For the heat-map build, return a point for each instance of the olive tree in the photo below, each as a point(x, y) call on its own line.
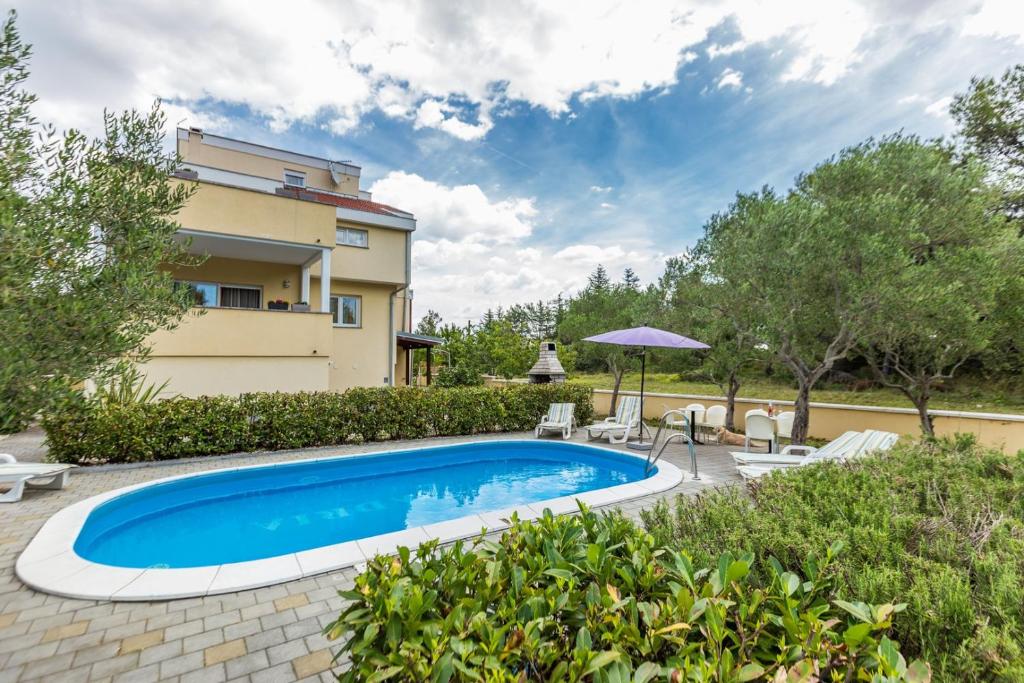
point(990, 118)
point(702, 309)
point(791, 279)
point(949, 260)
point(84, 228)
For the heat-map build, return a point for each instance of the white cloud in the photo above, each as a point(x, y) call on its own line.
point(600, 189)
point(444, 66)
point(730, 78)
point(607, 206)
point(470, 251)
point(462, 213)
point(1002, 18)
point(939, 108)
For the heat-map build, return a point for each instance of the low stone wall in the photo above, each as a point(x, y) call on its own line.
point(829, 420)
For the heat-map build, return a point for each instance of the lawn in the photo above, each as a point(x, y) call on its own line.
point(972, 396)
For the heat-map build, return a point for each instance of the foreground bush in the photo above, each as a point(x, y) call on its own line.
point(593, 598)
point(939, 526)
point(88, 432)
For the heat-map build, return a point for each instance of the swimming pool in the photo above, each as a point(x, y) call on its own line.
point(242, 527)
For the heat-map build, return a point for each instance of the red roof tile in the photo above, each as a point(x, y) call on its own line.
point(346, 202)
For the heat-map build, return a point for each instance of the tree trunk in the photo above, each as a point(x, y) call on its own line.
point(927, 427)
point(615, 389)
point(802, 419)
point(732, 389)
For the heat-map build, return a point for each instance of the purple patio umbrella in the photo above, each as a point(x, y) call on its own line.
point(643, 337)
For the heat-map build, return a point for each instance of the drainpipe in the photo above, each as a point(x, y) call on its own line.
point(391, 309)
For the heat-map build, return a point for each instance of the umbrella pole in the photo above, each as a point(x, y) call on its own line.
point(643, 375)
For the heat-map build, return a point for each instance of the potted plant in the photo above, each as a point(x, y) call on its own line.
point(277, 305)
point(301, 306)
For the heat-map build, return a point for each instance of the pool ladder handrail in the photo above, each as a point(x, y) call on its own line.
point(664, 424)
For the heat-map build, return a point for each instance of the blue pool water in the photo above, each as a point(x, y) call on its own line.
point(262, 512)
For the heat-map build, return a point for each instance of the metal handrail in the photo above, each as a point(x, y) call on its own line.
point(681, 435)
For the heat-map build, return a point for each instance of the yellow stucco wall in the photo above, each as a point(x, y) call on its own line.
point(270, 277)
point(192, 150)
point(382, 261)
point(210, 376)
point(828, 421)
point(360, 354)
point(234, 332)
point(217, 208)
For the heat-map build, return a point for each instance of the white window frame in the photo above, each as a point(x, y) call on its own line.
point(217, 285)
point(359, 310)
point(341, 234)
point(295, 174)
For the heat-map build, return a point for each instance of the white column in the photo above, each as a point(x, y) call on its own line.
point(325, 281)
point(304, 284)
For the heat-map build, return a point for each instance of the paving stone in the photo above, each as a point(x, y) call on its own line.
point(115, 665)
point(96, 653)
point(47, 666)
point(201, 641)
point(159, 653)
point(142, 641)
point(291, 601)
point(76, 628)
point(145, 674)
point(181, 665)
point(285, 652)
point(265, 639)
point(282, 673)
point(211, 674)
point(242, 629)
point(189, 628)
point(311, 664)
point(278, 619)
point(243, 666)
point(302, 628)
point(224, 651)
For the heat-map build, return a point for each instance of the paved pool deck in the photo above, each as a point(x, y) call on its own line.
point(266, 634)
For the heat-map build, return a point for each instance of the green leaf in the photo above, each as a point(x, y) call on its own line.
point(601, 660)
point(645, 672)
point(384, 674)
point(749, 672)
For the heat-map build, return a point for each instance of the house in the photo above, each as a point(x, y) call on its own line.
point(270, 224)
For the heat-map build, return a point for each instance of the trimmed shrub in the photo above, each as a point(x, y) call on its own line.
point(594, 598)
point(940, 525)
point(89, 432)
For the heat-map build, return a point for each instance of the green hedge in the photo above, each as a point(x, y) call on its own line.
point(88, 432)
point(940, 526)
point(593, 598)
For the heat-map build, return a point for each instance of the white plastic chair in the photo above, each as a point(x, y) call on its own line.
point(695, 412)
point(758, 427)
point(714, 418)
point(784, 424)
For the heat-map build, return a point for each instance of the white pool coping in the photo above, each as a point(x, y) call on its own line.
point(51, 565)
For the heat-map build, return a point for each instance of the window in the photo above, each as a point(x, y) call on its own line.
point(294, 178)
point(204, 293)
point(211, 294)
point(350, 237)
point(346, 311)
point(239, 297)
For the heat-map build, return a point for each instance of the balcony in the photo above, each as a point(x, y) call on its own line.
point(237, 332)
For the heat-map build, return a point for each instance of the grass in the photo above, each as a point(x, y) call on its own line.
point(971, 396)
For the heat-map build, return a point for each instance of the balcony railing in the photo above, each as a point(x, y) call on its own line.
point(246, 332)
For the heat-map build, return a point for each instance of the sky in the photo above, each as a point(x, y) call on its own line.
point(533, 140)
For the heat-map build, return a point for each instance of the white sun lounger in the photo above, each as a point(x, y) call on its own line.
point(872, 442)
point(561, 417)
point(618, 428)
point(33, 474)
point(794, 455)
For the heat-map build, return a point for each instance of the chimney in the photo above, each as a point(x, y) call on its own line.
point(547, 368)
